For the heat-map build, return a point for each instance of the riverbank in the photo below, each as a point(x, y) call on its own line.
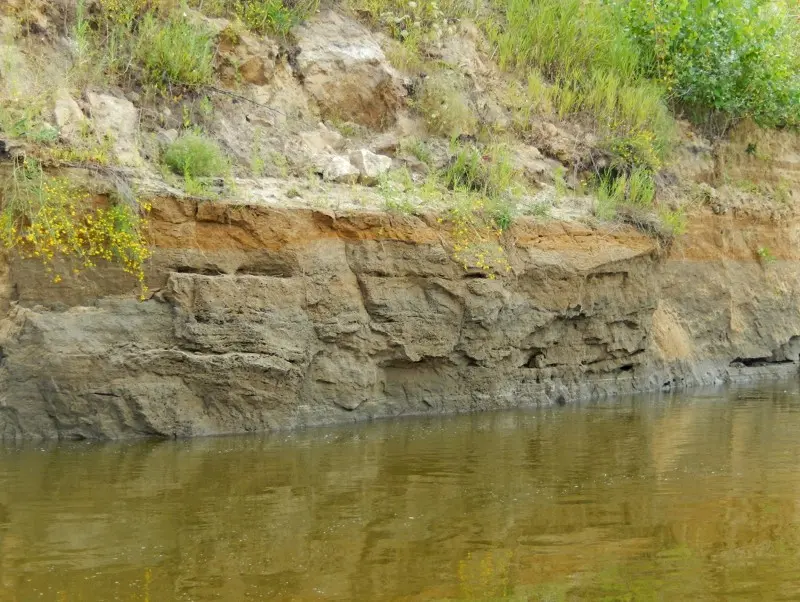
point(263, 316)
point(336, 211)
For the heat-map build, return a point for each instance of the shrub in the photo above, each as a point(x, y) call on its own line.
point(175, 51)
point(193, 155)
point(48, 218)
point(735, 57)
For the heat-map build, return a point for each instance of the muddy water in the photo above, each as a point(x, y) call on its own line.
point(669, 498)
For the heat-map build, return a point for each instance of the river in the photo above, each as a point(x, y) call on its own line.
point(689, 496)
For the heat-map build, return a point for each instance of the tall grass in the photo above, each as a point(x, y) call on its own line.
point(154, 44)
point(634, 191)
point(579, 60)
point(565, 36)
point(174, 51)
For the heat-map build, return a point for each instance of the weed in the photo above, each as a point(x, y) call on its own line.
point(476, 236)
point(25, 122)
point(539, 209)
point(275, 16)
point(765, 255)
point(444, 106)
point(560, 182)
point(415, 22)
point(348, 129)
point(420, 150)
point(399, 204)
point(279, 163)
point(674, 221)
point(489, 173)
point(636, 190)
point(782, 192)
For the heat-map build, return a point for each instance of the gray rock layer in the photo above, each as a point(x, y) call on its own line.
point(265, 318)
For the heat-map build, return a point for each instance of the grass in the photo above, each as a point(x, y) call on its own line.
point(615, 191)
point(174, 51)
point(488, 172)
point(273, 16)
point(420, 150)
point(579, 61)
point(154, 44)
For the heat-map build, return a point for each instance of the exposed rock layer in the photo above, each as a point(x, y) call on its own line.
point(265, 318)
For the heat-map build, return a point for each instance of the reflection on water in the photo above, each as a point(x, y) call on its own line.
point(666, 498)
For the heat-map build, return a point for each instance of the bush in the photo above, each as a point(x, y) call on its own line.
point(735, 57)
point(195, 156)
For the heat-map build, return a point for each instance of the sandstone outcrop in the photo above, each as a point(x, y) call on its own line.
point(266, 317)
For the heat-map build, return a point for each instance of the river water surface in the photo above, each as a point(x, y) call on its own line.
point(684, 497)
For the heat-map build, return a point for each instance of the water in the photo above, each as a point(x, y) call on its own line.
point(672, 498)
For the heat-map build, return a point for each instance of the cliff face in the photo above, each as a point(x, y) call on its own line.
point(265, 317)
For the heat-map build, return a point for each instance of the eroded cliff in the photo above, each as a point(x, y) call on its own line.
point(350, 221)
point(265, 317)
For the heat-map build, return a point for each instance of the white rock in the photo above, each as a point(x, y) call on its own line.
point(68, 117)
point(339, 169)
point(345, 71)
point(119, 119)
point(322, 140)
point(369, 165)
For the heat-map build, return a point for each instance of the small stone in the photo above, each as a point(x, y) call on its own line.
point(166, 137)
point(340, 170)
point(369, 165)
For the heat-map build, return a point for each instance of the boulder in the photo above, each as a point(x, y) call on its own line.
point(340, 170)
point(322, 140)
point(68, 117)
point(118, 119)
point(369, 165)
point(345, 71)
